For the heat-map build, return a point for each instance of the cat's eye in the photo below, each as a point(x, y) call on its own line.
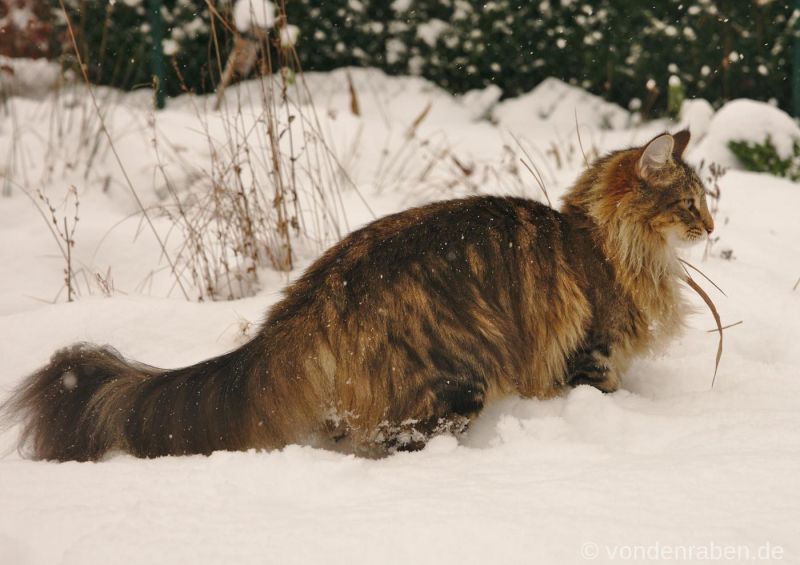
point(689, 203)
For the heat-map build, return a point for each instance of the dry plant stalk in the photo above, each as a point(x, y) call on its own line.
point(740, 322)
point(702, 274)
point(412, 129)
point(715, 173)
point(711, 306)
point(355, 107)
point(271, 179)
point(240, 62)
point(699, 290)
point(245, 220)
point(580, 141)
point(117, 157)
point(64, 234)
point(105, 283)
point(534, 170)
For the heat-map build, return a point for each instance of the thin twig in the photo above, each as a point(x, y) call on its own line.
point(538, 175)
point(68, 270)
point(412, 129)
point(46, 221)
point(532, 172)
point(580, 141)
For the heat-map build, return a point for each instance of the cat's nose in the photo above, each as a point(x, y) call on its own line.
point(709, 227)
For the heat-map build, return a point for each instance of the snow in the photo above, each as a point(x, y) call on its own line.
point(401, 6)
point(664, 464)
point(481, 101)
point(249, 14)
point(289, 35)
point(19, 16)
point(170, 47)
point(552, 105)
point(34, 77)
point(696, 115)
point(394, 50)
point(430, 31)
point(748, 120)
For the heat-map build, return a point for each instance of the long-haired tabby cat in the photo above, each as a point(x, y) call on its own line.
point(408, 327)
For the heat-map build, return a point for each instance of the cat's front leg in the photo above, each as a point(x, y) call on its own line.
point(593, 366)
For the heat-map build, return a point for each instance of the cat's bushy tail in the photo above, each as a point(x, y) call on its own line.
point(89, 400)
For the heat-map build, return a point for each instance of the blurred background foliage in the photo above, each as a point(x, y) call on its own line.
point(627, 51)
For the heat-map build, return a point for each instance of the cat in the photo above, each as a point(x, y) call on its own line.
point(408, 327)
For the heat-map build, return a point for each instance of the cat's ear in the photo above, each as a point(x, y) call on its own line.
point(655, 155)
point(681, 141)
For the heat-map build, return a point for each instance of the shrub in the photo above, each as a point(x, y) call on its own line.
point(623, 50)
point(764, 158)
point(115, 42)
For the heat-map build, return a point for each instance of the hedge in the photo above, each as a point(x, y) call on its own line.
point(625, 50)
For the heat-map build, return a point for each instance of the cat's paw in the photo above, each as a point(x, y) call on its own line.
point(593, 368)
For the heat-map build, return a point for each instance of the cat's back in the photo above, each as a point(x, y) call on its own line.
point(447, 229)
point(488, 248)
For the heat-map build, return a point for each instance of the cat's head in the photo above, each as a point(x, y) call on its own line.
point(668, 192)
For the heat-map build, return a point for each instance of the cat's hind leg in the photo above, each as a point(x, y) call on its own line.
point(446, 406)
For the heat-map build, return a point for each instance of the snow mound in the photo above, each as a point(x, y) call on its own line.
point(387, 99)
point(479, 102)
point(31, 78)
point(745, 120)
point(554, 104)
point(696, 116)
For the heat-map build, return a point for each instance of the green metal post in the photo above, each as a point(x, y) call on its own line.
point(157, 54)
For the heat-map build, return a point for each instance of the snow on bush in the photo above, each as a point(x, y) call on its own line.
point(611, 48)
point(430, 31)
point(28, 77)
point(289, 34)
point(696, 116)
point(556, 102)
point(250, 14)
point(746, 120)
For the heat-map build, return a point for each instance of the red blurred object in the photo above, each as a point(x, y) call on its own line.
point(25, 28)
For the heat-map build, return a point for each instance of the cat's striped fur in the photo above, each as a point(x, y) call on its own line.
point(407, 327)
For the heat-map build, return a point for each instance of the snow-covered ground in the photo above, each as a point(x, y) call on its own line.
point(667, 469)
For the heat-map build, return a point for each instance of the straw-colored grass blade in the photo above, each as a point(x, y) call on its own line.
point(698, 289)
